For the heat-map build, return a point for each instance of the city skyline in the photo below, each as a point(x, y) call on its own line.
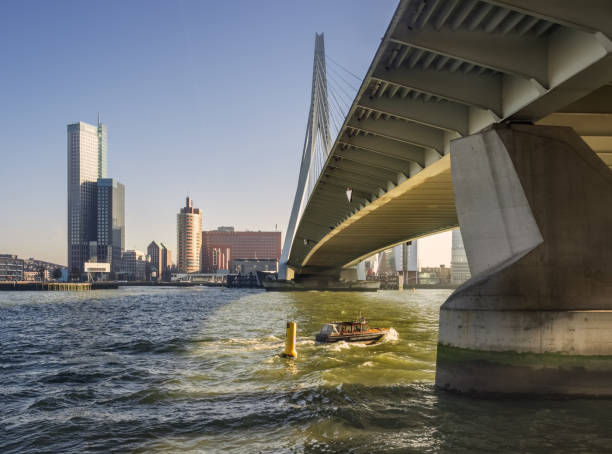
point(154, 135)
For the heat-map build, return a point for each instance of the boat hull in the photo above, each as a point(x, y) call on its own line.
point(323, 285)
point(366, 337)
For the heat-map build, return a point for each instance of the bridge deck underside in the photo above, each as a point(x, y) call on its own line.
point(417, 207)
point(447, 69)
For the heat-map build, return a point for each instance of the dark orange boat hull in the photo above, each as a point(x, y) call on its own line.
point(369, 336)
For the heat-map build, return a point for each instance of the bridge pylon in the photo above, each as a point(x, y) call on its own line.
point(317, 144)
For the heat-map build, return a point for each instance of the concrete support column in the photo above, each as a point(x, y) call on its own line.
point(535, 208)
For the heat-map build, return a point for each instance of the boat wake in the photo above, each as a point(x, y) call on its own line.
point(391, 337)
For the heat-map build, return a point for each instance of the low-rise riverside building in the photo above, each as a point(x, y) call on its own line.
point(11, 268)
point(246, 266)
point(134, 265)
point(435, 275)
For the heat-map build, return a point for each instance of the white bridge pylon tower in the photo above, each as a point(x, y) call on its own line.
point(317, 144)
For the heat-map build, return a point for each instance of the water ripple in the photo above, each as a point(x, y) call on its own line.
point(195, 370)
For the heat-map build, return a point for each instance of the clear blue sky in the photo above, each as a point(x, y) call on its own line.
point(202, 98)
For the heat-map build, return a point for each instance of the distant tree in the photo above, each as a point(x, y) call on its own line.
point(57, 273)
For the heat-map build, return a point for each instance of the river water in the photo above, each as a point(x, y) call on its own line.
point(167, 370)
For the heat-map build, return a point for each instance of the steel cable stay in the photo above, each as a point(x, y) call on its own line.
point(335, 98)
point(335, 120)
point(323, 99)
point(360, 79)
point(350, 86)
point(345, 104)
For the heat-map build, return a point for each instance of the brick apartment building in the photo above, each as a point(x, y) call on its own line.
point(222, 246)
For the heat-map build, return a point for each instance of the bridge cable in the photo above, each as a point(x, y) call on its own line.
point(343, 79)
point(342, 108)
point(360, 79)
point(335, 120)
point(328, 112)
point(347, 99)
point(336, 111)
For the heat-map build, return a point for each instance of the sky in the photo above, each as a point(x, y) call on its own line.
point(201, 98)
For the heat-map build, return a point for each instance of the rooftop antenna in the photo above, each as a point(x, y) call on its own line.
point(98, 118)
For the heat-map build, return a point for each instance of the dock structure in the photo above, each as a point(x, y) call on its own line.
point(56, 286)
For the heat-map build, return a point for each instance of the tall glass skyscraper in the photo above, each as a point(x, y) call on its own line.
point(111, 223)
point(86, 163)
point(460, 268)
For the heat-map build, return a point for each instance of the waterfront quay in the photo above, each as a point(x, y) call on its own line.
point(56, 286)
point(98, 285)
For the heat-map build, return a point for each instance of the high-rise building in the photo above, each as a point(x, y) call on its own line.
point(102, 160)
point(161, 259)
point(111, 223)
point(223, 246)
point(86, 163)
point(189, 238)
point(165, 262)
point(460, 268)
point(154, 251)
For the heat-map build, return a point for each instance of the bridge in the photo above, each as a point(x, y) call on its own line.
point(494, 115)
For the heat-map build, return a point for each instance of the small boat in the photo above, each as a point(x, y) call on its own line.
point(356, 331)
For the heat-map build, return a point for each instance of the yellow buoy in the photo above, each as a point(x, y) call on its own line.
point(290, 340)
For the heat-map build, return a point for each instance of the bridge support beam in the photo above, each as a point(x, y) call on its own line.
point(535, 208)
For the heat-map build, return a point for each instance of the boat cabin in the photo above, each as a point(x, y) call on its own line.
point(355, 331)
point(342, 328)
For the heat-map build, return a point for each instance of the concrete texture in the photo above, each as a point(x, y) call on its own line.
point(534, 206)
point(508, 373)
point(564, 332)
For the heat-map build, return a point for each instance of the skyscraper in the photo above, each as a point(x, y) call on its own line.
point(154, 251)
point(166, 257)
point(460, 268)
point(189, 238)
point(86, 163)
point(165, 262)
point(161, 258)
point(111, 222)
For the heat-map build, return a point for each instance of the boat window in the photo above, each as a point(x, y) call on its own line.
point(327, 329)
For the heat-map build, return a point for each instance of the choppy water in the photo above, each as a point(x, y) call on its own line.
point(144, 370)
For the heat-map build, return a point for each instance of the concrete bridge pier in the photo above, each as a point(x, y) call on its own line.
point(535, 208)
